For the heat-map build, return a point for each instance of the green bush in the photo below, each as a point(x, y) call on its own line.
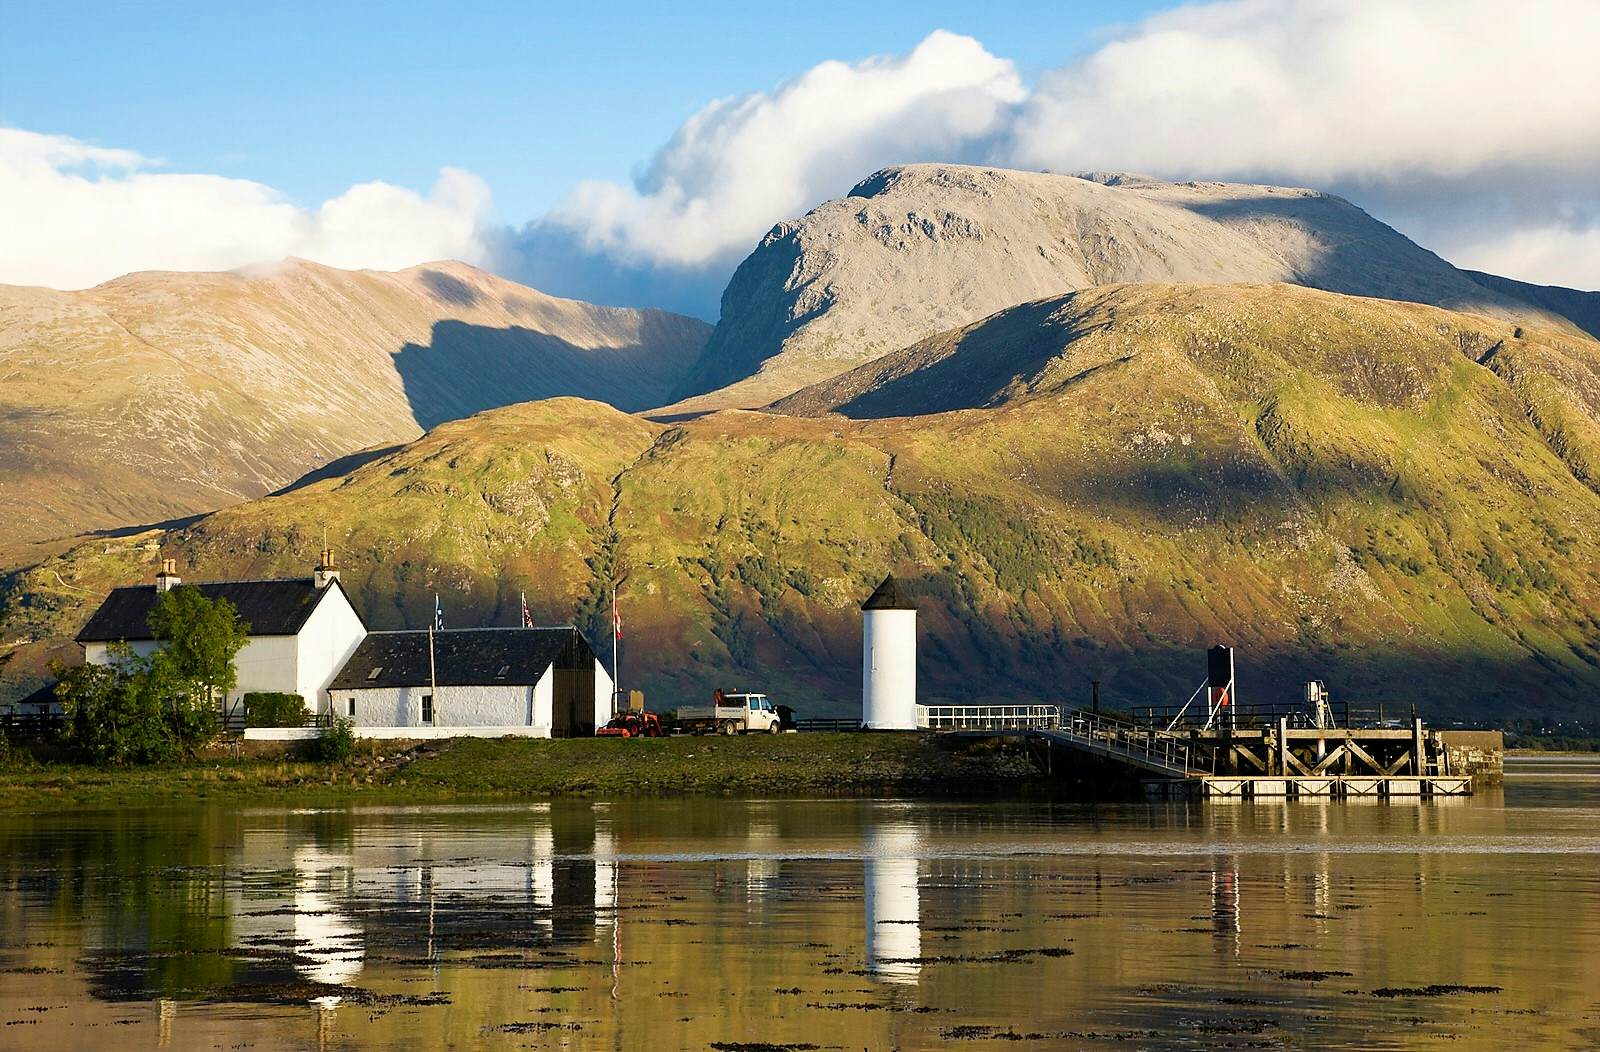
point(273, 708)
point(129, 712)
point(336, 743)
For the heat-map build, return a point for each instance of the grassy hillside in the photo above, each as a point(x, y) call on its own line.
point(1393, 498)
point(161, 395)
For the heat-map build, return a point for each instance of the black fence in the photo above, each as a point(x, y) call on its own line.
point(825, 723)
point(19, 725)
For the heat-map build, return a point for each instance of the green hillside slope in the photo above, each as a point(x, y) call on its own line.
point(1393, 498)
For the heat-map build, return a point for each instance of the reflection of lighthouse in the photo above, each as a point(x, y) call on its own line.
point(894, 916)
point(888, 660)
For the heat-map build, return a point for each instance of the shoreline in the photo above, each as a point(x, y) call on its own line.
point(813, 764)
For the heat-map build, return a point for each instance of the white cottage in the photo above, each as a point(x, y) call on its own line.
point(302, 630)
point(478, 682)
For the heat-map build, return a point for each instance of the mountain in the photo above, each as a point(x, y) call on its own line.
point(915, 250)
point(1394, 498)
point(161, 395)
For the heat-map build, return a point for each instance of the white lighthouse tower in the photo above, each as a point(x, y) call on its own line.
point(888, 660)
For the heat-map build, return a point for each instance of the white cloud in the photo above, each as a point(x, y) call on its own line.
point(740, 164)
point(1544, 254)
point(76, 214)
point(1325, 90)
point(1472, 125)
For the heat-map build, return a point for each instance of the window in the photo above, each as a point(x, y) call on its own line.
point(755, 704)
point(427, 708)
point(377, 670)
point(350, 707)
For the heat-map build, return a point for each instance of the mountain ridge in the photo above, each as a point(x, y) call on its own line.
point(914, 250)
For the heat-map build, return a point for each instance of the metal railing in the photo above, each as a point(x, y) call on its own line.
point(1128, 739)
point(988, 717)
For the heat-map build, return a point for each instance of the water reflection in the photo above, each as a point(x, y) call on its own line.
point(893, 900)
point(892, 924)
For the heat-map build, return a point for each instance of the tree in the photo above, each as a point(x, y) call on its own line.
point(200, 639)
point(154, 709)
point(118, 713)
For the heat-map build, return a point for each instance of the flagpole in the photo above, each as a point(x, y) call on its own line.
point(433, 677)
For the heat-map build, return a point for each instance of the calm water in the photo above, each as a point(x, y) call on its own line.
point(859, 924)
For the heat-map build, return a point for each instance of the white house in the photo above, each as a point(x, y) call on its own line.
point(477, 682)
point(302, 630)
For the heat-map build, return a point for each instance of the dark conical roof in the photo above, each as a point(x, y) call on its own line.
point(887, 597)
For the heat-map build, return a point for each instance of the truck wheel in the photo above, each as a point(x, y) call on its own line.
point(729, 728)
point(773, 728)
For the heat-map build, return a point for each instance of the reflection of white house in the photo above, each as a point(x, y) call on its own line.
point(536, 682)
point(302, 630)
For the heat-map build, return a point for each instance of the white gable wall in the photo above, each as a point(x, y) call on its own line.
point(603, 689)
point(326, 641)
point(544, 704)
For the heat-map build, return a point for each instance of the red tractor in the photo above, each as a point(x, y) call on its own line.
point(632, 725)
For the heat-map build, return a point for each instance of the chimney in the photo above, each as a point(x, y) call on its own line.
point(325, 573)
point(168, 578)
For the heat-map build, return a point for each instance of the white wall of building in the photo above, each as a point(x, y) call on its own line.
point(455, 709)
point(603, 689)
point(889, 669)
point(544, 707)
point(326, 641)
point(267, 663)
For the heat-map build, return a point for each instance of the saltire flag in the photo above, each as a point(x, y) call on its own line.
point(438, 614)
point(527, 618)
point(616, 616)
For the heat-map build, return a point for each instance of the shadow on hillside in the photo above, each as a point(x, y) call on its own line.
point(1401, 269)
point(338, 466)
point(466, 369)
point(1017, 342)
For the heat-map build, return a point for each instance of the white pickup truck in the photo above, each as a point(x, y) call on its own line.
point(735, 713)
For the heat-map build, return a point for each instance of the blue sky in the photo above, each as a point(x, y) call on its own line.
point(634, 154)
point(313, 97)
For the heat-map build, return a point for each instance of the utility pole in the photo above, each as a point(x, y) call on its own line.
point(433, 680)
point(616, 660)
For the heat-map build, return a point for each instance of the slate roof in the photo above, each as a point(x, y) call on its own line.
point(887, 597)
point(270, 608)
point(463, 657)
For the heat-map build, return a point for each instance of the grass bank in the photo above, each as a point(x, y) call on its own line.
point(777, 765)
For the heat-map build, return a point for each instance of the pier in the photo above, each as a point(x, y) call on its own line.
point(1235, 757)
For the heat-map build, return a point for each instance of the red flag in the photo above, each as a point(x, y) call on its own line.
point(616, 616)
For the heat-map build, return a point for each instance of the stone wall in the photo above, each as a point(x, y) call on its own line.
point(1482, 754)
